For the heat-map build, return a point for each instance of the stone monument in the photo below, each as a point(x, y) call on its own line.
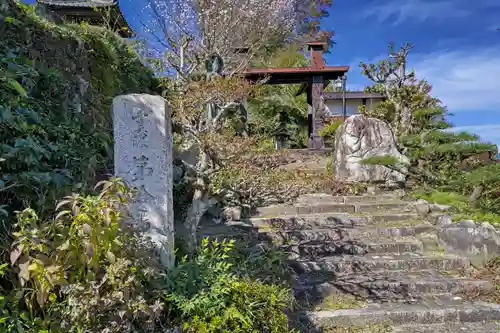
point(360, 137)
point(143, 158)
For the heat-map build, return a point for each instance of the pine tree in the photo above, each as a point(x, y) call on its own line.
point(438, 155)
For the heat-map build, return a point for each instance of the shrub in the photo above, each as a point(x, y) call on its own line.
point(329, 130)
point(84, 270)
point(89, 270)
point(210, 294)
point(48, 147)
point(258, 178)
point(461, 208)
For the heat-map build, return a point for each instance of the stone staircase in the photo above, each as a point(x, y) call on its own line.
point(370, 264)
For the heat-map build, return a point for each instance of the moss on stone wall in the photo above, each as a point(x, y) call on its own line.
point(96, 63)
point(57, 83)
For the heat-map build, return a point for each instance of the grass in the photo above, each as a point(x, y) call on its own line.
point(436, 252)
point(340, 303)
point(460, 207)
point(378, 328)
point(442, 198)
point(267, 228)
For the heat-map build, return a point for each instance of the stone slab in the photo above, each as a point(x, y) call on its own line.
point(320, 249)
point(478, 243)
point(399, 314)
point(367, 264)
point(395, 286)
point(380, 207)
point(481, 327)
point(341, 235)
point(332, 220)
point(143, 159)
point(395, 208)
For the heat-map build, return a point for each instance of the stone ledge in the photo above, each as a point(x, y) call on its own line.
point(408, 314)
point(478, 242)
point(349, 264)
point(487, 327)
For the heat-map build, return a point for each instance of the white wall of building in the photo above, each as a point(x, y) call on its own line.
point(352, 105)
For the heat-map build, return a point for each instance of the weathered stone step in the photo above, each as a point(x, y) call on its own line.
point(280, 210)
point(334, 220)
point(316, 249)
point(387, 286)
point(481, 327)
point(426, 312)
point(346, 235)
point(322, 198)
point(369, 263)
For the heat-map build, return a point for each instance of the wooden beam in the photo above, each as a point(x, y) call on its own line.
point(315, 140)
point(310, 118)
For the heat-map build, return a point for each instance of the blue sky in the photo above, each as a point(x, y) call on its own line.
point(457, 49)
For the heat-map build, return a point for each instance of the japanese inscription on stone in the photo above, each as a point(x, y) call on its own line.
point(143, 158)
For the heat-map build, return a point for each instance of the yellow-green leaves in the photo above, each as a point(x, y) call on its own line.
point(79, 244)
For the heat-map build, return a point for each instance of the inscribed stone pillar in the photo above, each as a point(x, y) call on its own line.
point(316, 141)
point(143, 158)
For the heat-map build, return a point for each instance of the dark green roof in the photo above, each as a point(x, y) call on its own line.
point(79, 3)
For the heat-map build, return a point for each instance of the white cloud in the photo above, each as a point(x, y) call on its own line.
point(489, 133)
point(468, 79)
point(418, 10)
point(355, 87)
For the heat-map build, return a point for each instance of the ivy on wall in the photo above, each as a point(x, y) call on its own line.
point(49, 146)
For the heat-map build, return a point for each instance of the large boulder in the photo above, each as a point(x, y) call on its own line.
point(358, 138)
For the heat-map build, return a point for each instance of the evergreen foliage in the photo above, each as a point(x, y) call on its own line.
point(440, 158)
point(274, 108)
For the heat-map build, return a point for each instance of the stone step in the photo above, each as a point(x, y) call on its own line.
point(481, 327)
point(344, 236)
point(334, 220)
point(382, 206)
point(322, 198)
point(281, 210)
point(395, 286)
point(354, 199)
point(425, 312)
point(315, 249)
point(367, 264)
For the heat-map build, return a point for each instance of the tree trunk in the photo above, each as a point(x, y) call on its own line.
point(476, 193)
point(405, 119)
point(198, 208)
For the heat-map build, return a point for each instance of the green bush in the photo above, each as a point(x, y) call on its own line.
point(44, 148)
point(461, 208)
point(89, 270)
point(211, 294)
point(85, 270)
point(328, 132)
point(47, 147)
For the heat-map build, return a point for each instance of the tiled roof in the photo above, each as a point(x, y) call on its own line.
point(79, 3)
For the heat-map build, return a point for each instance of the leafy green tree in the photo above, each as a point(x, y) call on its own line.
point(274, 106)
point(421, 124)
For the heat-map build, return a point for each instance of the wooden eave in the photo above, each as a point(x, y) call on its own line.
point(294, 74)
point(75, 12)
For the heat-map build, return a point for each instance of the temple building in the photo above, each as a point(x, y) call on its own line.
point(105, 13)
point(353, 100)
point(314, 79)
